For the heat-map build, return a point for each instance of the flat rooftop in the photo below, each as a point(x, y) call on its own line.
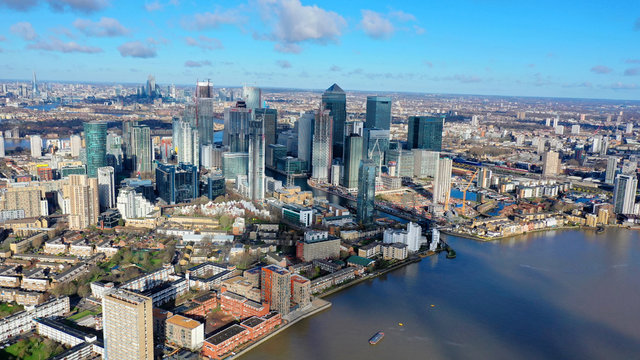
point(226, 334)
point(183, 321)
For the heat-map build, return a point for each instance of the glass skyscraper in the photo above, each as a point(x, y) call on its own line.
point(334, 99)
point(425, 132)
point(366, 192)
point(177, 184)
point(142, 150)
point(252, 96)
point(95, 133)
point(352, 157)
point(256, 160)
point(269, 118)
point(236, 128)
point(234, 164)
point(378, 112)
point(322, 140)
point(376, 144)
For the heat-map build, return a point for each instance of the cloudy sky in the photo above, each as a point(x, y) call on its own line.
point(533, 48)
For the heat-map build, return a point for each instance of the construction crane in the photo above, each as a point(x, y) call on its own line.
point(464, 193)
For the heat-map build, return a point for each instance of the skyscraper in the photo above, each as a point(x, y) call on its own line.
point(376, 144)
point(624, 194)
point(334, 99)
point(322, 140)
point(204, 89)
point(442, 182)
point(76, 145)
point(127, 326)
point(127, 126)
point(305, 137)
point(2, 154)
point(106, 188)
point(36, 146)
point(425, 163)
point(95, 133)
point(269, 118)
point(236, 127)
point(484, 178)
point(142, 149)
point(34, 86)
point(425, 132)
point(252, 96)
point(378, 112)
point(550, 163)
point(151, 86)
point(352, 156)
point(186, 142)
point(84, 203)
point(366, 191)
point(256, 160)
point(276, 288)
point(612, 169)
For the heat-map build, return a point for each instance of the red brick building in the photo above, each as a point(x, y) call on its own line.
point(202, 305)
point(224, 341)
point(241, 307)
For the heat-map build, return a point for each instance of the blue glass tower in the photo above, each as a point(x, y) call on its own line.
point(366, 192)
point(425, 132)
point(95, 133)
point(334, 99)
point(177, 184)
point(378, 112)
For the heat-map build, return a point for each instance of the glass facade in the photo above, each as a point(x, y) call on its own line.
point(270, 119)
point(366, 192)
point(234, 164)
point(215, 186)
point(425, 132)
point(177, 184)
point(95, 133)
point(236, 128)
point(334, 99)
point(376, 144)
point(378, 112)
point(352, 156)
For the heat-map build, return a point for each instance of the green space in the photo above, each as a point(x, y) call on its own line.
point(32, 348)
point(7, 309)
point(84, 313)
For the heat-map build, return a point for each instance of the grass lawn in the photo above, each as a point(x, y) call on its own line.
point(7, 309)
point(33, 348)
point(84, 313)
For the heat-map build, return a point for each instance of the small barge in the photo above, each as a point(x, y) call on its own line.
point(376, 338)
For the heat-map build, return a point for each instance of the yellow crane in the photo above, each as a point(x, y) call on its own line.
point(464, 193)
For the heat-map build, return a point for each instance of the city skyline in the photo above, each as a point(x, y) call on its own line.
point(487, 49)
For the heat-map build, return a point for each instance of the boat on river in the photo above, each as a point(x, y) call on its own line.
point(376, 338)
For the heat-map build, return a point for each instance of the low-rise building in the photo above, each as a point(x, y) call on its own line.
point(185, 332)
point(224, 341)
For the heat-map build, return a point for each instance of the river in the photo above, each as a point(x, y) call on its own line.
point(552, 295)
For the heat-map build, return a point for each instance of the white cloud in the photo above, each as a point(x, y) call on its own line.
point(402, 16)
point(57, 45)
point(376, 25)
point(137, 49)
point(213, 20)
point(85, 6)
point(204, 42)
point(106, 27)
point(24, 30)
point(20, 5)
point(601, 69)
point(292, 23)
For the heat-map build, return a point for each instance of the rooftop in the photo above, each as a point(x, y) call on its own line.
point(226, 334)
point(252, 321)
point(184, 322)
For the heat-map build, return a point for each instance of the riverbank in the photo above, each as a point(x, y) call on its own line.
point(485, 239)
point(317, 305)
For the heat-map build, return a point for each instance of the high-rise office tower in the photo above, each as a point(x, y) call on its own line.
point(256, 160)
point(404, 161)
point(378, 112)
point(127, 126)
point(84, 203)
point(127, 326)
point(442, 182)
point(624, 194)
point(276, 288)
point(376, 144)
point(200, 113)
point(2, 154)
point(354, 127)
point(151, 86)
point(34, 86)
point(95, 133)
point(236, 127)
point(425, 132)
point(234, 164)
point(76, 145)
point(550, 163)
point(269, 118)
point(612, 169)
point(36, 146)
point(425, 163)
point(115, 154)
point(106, 188)
point(352, 156)
point(334, 99)
point(177, 184)
point(322, 140)
point(366, 192)
point(186, 142)
point(305, 137)
point(252, 96)
point(142, 156)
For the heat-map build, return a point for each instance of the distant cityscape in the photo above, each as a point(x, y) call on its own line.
point(156, 221)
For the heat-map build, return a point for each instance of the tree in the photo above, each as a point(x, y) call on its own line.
point(84, 290)
point(225, 221)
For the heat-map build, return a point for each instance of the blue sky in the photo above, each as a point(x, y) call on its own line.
point(537, 48)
